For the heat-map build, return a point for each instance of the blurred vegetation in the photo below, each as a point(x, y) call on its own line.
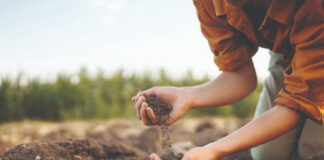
point(92, 97)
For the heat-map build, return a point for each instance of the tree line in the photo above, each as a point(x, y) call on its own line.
point(97, 97)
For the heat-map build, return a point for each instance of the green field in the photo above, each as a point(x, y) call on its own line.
point(96, 97)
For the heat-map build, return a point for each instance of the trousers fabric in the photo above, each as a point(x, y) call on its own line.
point(301, 141)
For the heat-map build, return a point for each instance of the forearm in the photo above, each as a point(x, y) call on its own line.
point(268, 126)
point(227, 88)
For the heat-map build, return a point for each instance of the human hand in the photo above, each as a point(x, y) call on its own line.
point(202, 153)
point(199, 153)
point(177, 97)
point(154, 156)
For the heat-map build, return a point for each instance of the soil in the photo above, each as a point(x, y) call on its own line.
point(114, 139)
point(76, 150)
point(160, 108)
point(172, 156)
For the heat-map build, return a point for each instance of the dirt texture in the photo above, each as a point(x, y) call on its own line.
point(72, 149)
point(160, 108)
point(113, 140)
point(172, 156)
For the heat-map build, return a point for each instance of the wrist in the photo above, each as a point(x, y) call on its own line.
point(218, 150)
point(187, 94)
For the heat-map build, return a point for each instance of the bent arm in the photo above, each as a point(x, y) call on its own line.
point(268, 126)
point(227, 88)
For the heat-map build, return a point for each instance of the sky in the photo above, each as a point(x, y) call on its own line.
point(41, 38)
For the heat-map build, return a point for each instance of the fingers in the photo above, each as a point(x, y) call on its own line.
point(135, 98)
point(143, 114)
point(151, 91)
point(154, 156)
point(138, 106)
point(151, 115)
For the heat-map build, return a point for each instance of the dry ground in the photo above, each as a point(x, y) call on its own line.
point(115, 139)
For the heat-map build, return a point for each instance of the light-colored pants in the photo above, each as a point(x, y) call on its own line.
point(301, 141)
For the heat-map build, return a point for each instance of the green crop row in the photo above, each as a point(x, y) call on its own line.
point(95, 97)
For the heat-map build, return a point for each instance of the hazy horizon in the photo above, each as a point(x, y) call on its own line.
point(44, 38)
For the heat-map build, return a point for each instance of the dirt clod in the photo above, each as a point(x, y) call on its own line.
point(172, 156)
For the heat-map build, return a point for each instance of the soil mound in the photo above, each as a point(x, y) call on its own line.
point(112, 140)
point(76, 150)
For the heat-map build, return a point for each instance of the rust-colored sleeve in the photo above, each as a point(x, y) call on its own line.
point(230, 47)
point(304, 80)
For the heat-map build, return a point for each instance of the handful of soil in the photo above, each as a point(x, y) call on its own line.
point(172, 156)
point(160, 108)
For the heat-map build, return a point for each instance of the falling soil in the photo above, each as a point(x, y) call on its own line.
point(167, 152)
point(162, 110)
point(172, 156)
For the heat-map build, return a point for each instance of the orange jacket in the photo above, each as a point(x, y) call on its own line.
point(295, 28)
